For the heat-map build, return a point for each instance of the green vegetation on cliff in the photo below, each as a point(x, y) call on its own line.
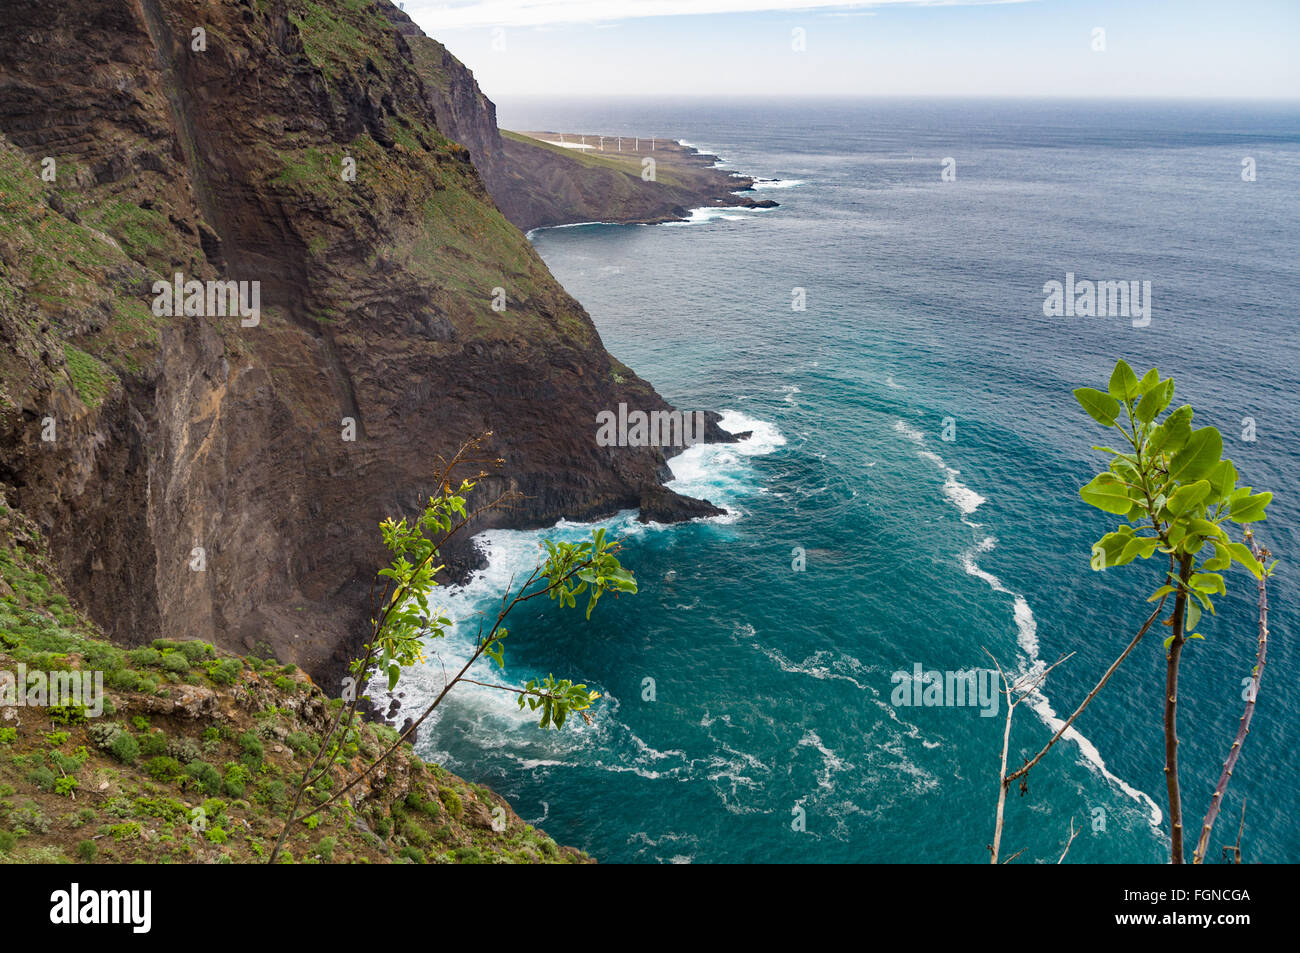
point(197, 753)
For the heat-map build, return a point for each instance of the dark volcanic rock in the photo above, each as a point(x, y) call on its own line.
point(195, 441)
point(661, 505)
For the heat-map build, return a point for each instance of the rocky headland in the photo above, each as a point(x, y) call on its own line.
point(344, 162)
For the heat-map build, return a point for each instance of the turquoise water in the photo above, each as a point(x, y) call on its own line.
point(772, 687)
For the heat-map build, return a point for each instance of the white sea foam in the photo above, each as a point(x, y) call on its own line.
point(958, 493)
point(702, 216)
point(777, 183)
point(967, 501)
point(542, 228)
point(721, 472)
point(832, 764)
point(821, 665)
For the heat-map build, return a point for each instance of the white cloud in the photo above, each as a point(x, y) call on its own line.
point(464, 14)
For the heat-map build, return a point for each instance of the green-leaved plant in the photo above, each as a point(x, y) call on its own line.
point(1178, 498)
point(405, 622)
point(1177, 495)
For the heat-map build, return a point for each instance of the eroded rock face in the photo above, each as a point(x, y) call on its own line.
point(200, 484)
point(535, 185)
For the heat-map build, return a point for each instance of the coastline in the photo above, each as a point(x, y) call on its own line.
point(550, 183)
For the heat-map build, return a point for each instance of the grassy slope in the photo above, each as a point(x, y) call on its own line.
point(124, 787)
point(627, 163)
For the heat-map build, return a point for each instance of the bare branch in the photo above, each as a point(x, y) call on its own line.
point(1096, 688)
point(1243, 728)
point(1073, 835)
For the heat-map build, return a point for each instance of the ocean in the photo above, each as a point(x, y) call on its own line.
point(909, 493)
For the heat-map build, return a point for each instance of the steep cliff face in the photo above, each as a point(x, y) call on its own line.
point(537, 184)
point(196, 474)
point(463, 113)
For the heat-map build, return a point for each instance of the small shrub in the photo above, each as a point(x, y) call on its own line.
point(301, 742)
point(43, 778)
point(163, 768)
point(204, 776)
point(270, 793)
point(123, 679)
point(125, 748)
point(326, 848)
point(68, 714)
point(87, 851)
point(183, 750)
point(176, 662)
point(195, 651)
point(236, 779)
point(225, 671)
point(153, 744)
point(119, 807)
point(68, 763)
point(252, 749)
point(215, 809)
point(83, 817)
point(30, 817)
point(452, 800)
point(144, 657)
point(167, 808)
point(416, 834)
point(128, 831)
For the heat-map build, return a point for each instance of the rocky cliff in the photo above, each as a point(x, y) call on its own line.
point(537, 184)
point(220, 476)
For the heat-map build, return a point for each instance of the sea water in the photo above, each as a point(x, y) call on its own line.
point(908, 494)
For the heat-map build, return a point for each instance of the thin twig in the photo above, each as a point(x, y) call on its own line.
point(1092, 694)
point(1243, 728)
point(1236, 848)
point(1073, 835)
point(1004, 782)
point(377, 628)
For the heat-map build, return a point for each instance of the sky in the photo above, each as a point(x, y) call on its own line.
point(1247, 49)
